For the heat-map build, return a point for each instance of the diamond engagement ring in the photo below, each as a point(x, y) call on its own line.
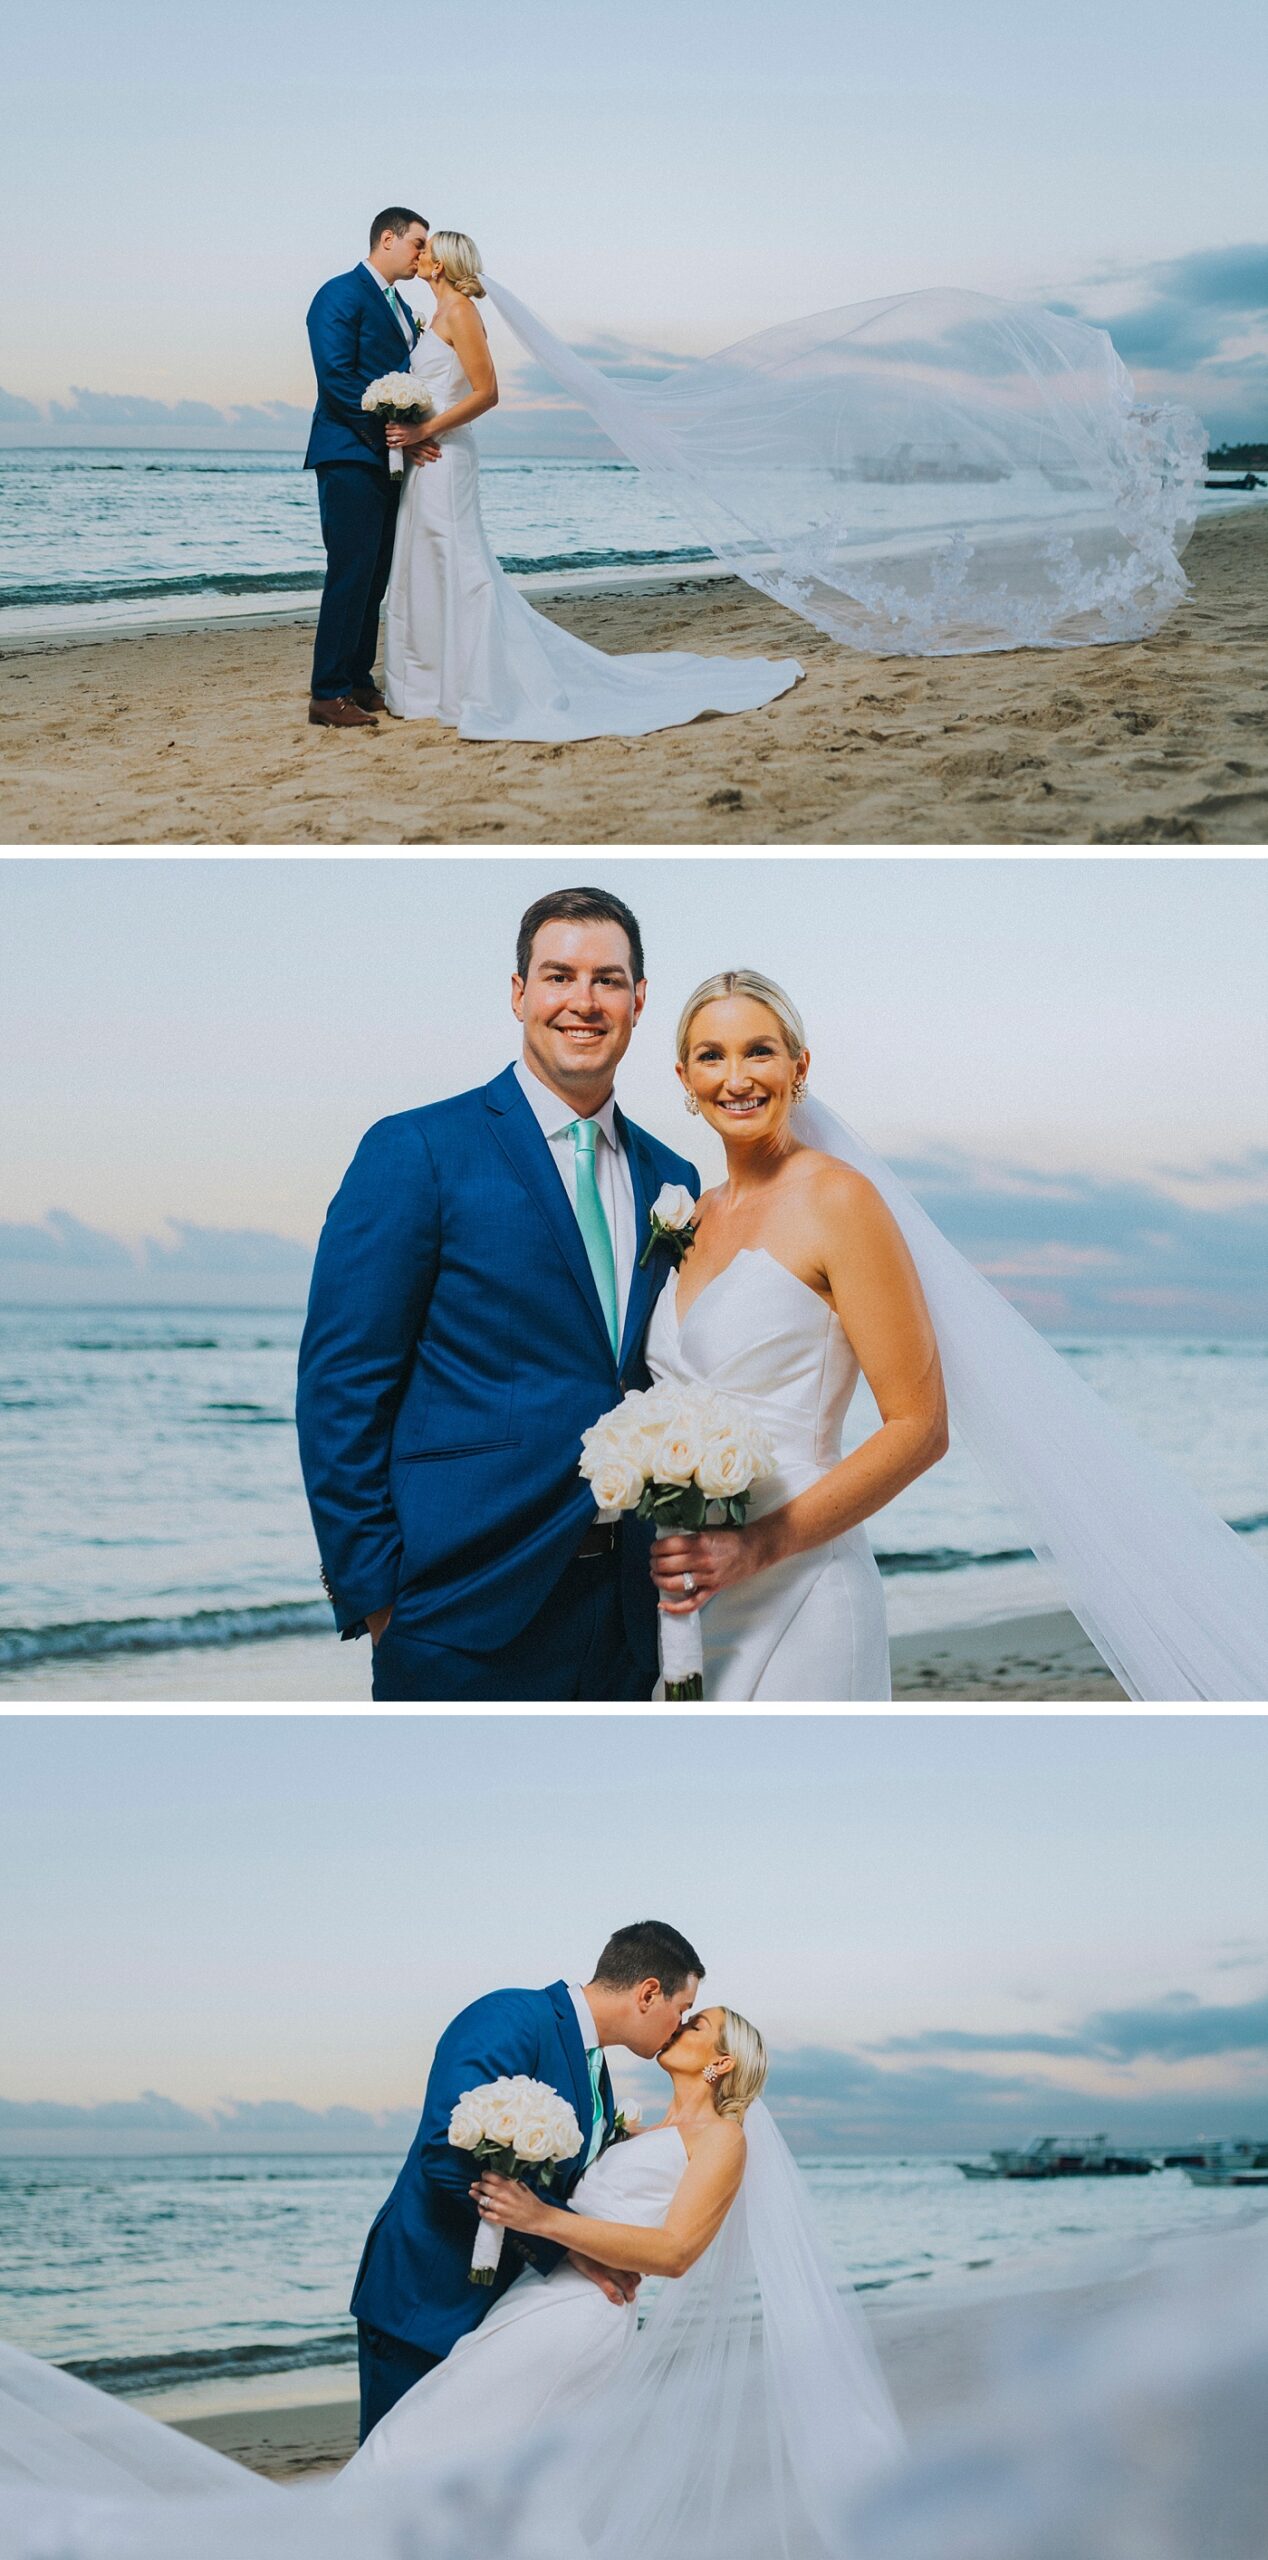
point(689, 1583)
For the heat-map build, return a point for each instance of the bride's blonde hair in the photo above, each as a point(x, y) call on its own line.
point(734, 2095)
point(461, 261)
point(743, 982)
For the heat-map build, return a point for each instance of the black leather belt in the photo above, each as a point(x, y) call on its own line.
point(599, 1540)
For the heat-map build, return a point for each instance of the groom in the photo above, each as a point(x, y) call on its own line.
point(479, 1298)
point(412, 2299)
point(359, 327)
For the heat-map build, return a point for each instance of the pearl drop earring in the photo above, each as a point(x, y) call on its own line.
point(799, 1089)
point(691, 1103)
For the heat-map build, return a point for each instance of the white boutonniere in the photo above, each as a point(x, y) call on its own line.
point(673, 1215)
point(626, 2121)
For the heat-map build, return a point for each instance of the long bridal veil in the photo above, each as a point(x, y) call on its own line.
point(930, 474)
point(1169, 1594)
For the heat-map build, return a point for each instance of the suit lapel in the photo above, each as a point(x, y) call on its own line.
point(521, 1140)
point(391, 328)
point(644, 1281)
point(575, 2052)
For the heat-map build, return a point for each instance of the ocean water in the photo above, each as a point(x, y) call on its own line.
point(213, 2273)
point(135, 534)
point(151, 1494)
point(96, 535)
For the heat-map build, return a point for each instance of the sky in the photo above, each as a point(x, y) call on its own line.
point(1067, 1057)
point(175, 184)
point(950, 1931)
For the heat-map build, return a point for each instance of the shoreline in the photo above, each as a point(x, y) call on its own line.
point(201, 737)
point(1038, 1657)
point(936, 2354)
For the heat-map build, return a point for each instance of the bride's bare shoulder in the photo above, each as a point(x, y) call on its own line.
point(836, 1185)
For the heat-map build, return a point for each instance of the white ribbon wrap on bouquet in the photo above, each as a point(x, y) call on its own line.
point(487, 2253)
point(395, 461)
point(681, 1642)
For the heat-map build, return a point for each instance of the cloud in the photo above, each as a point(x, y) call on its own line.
point(13, 407)
point(1199, 324)
point(59, 1257)
point(1180, 2029)
point(149, 2113)
point(218, 1252)
point(62, 1242)
point(1081, 1249)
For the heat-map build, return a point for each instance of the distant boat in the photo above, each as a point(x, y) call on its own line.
point(1229, 2164)
point(1051, 2155)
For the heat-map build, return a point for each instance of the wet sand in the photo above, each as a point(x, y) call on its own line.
point(1043, 1658)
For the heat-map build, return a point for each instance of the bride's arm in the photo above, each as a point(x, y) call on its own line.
point(703, 2199)
point(471, 347)
point(871, 1280)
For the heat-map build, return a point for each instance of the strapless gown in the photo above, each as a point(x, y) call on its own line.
point(812, 1628)
point(549, 2341)
point(463, 646)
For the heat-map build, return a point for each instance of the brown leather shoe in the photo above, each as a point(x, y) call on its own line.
point(342, 713)
point(367, 697)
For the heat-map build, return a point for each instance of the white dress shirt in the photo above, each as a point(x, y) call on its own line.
point(616, 1189)
point(382, 283)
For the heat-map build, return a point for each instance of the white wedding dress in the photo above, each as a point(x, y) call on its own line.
point(464, 647)
point(548, 2343)
point(813, 1627)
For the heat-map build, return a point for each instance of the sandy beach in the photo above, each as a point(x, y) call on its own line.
point(1042, 1658)
point(200, 736)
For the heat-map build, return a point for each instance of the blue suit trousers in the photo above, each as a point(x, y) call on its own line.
point(358, 505)
point(575, 1648)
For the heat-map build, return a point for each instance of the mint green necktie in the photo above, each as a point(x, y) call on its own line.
point(393, 303)
point(594, 2056)
point(596, 1234)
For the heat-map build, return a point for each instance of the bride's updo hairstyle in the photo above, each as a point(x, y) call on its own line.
point(734, 2095)
point(461, 260)
point(743, 982)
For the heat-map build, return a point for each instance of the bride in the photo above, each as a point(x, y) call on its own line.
point(462, 645)
point(742, 2414)
point(813, 1262)
point(797, 1281)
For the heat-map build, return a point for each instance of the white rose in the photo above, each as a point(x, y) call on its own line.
point(534, 2141)
point(617, 1482)
point(677, 1452)
point(465, 2128)
point(725, 1467)
point(674, 1206)
point(633, 2115)
point(501, 2124)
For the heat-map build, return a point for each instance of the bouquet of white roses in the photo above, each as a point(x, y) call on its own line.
point(400, 400)
point(516, 2127)
point(682, 1457)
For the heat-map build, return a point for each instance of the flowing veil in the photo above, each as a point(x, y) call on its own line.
point(1169, 1594)
point(930, 474)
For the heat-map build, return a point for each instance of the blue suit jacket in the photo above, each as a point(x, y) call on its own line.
point(455, 1351)
point(354, 339)
point(412, 2280)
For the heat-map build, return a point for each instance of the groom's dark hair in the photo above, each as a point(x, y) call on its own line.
point(647, 1949)
point(578, 906)
point(397, 218)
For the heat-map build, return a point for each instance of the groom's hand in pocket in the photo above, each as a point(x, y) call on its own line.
point(618, 2283)
point(378, 1624)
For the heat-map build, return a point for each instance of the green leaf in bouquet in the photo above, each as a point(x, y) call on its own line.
point(694, 1507)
